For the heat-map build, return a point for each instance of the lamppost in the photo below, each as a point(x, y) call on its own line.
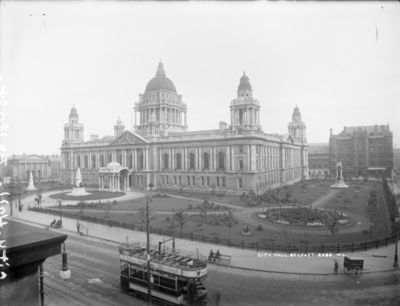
point(149, 277)
point(397, 219)
point(65, 273)
point(60, 203)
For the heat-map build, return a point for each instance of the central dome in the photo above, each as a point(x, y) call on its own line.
point(160, 81)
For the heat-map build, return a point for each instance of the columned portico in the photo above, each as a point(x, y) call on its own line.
point(117, 177)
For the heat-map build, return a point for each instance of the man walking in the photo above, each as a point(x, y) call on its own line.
point(336, 267)
point(77, 226)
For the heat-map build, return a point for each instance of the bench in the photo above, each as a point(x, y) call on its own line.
point(224, 258)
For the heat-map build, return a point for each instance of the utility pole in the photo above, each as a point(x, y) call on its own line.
point(148, 251)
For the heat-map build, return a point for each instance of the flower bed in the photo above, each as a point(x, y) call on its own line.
point(303, 217)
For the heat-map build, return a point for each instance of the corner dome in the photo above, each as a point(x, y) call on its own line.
point(113, 165)
point(296, 113)
point(160, 81)
point(244, 83)
point(74, 113)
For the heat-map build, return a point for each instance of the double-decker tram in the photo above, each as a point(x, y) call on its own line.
point(175, 279)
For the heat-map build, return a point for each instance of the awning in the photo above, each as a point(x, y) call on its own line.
point(375, 169)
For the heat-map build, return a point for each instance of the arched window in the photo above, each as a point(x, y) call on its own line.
point(78, 161)
point(101, 161)
point(120, 159)
point(178, 161)
point(93, 162)
point(86, 162)
point(165, 166)
point(206, 161)
point(130, 161)
point(191, 161)
point(241, 164)
point(110, 158)
point(221, 160)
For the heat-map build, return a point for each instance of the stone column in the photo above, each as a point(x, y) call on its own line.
point(147, 159)
point(228, 158)
point(185, 118)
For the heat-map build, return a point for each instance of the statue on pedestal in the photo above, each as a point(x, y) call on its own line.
point(31, 186)
point(339, 177)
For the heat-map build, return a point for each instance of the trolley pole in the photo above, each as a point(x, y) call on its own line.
point(148, 251)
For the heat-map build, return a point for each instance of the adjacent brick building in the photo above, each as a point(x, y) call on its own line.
point(363, 150)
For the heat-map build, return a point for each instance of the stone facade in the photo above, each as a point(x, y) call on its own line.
point(161, 153)
point(42, 167)
point(318, 160)
point(364, 151)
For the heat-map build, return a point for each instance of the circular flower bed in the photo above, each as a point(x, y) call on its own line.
point(303, 217)
point(215, 219)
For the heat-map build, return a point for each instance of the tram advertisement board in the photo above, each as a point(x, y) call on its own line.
point(165, 268)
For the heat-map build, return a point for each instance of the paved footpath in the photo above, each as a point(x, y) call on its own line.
point(375, 260)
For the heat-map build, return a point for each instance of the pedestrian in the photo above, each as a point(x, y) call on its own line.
point(217, 255)
point(336, 267)
point(211, 256)
point(77, 226)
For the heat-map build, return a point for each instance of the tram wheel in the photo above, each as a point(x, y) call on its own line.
point(346, 271)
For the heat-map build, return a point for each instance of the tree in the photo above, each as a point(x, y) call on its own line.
point(203, 209)
point(332, 225)
point(82, 206)
point(230, 222)
point(181, 217)
point(39, 195)
point(107, 209)
point(151, 186)
point(213, 189)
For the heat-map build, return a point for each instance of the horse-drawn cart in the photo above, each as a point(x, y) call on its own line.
point(353, 265)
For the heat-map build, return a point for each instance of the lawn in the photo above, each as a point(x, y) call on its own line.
point(352, 199)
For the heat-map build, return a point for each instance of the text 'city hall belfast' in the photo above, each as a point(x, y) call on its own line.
point(162, 153)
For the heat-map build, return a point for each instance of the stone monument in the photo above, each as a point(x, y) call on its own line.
point(339, 177)
point(31, 186)
point(77, 189)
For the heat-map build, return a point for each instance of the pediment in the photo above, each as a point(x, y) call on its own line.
point(129, 138)
point(33, 157)
point(288, 138)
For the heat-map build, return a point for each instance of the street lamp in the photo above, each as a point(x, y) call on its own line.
point(60, 202)
point(397, 219)
point(149, 277)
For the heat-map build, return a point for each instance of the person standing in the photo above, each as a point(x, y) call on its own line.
point(211, 256)
point(336, 267)
point(78, 226)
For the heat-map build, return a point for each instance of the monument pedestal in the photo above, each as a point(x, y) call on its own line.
point(339, 184)
point(78, 191)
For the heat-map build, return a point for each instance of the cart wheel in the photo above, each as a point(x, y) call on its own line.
point(357, 272)
point(346, 271)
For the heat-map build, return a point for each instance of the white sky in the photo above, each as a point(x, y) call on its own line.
point(339, 62)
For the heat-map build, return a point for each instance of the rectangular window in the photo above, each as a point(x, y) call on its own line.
point(208, 181)
point(180, 180)
point(193, 181)
point(167, 179)
point(175, 178)
point(240, 182)
point(202, 181)
point(217, 181)
point(241, 149)
point(188, 180)
point(223, 182)
point(241, 164)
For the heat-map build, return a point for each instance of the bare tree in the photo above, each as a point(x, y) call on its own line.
point(181, 218)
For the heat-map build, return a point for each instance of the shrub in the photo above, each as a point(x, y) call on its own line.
point(260, 228)
point(167, 218)
point(190, 207)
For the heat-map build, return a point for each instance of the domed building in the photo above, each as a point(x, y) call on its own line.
point(160, 153)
